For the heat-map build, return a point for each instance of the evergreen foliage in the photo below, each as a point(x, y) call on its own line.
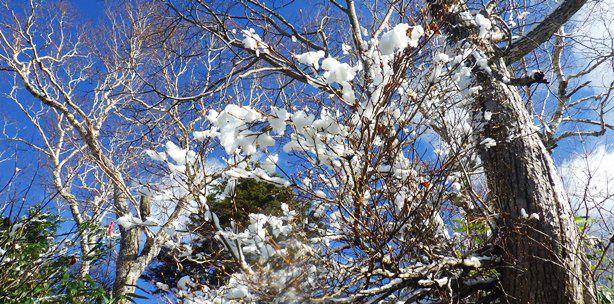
point(35, 268)
point(250, 196)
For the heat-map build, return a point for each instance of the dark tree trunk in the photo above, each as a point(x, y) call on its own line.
point(543, 260)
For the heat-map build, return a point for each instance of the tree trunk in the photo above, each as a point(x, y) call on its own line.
point(130, 262)
point(129, 267)
point(126, 266)
point(126, 277)
point(543, 261)
point(543, 258)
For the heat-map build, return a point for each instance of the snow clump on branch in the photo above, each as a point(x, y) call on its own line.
point(252, 41)
point(399, 38)
point(310, 58)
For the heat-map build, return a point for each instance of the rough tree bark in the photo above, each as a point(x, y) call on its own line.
point(543, 261)
point(134, 254)
point(130, 264)
point(125, 276)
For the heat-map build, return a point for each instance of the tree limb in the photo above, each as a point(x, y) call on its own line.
point(543, 31)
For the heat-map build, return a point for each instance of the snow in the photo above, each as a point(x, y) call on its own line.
point(277, 120)
point(488, 143)
point(310, 58)
point(439, 60)
point(238, 292)
point(484, 23)
point(270, 163)
point(472, 262)
point(424, 282)
point(157, 156)
point(151, 221)
point(474, 90)
point(346, 49)
point(184, 283)
point(249, 41)
point(442, 281)
point(252, 41)
point(128, 221)
point(533, 72)
point(300, 119)
point(482, 62)
point(286, 209)
point(463, 77)
point(348, 91)
point(337, 72)
point(327, 123)
point(442, 58)
point(525, 215)
point(162, 286)
point(341, 73)
point(180, 156)
point(398, 38)
point(487, 115)
point(231, 125)
point(202, 135)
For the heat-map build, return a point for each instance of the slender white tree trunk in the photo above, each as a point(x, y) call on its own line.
point(127, 268)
